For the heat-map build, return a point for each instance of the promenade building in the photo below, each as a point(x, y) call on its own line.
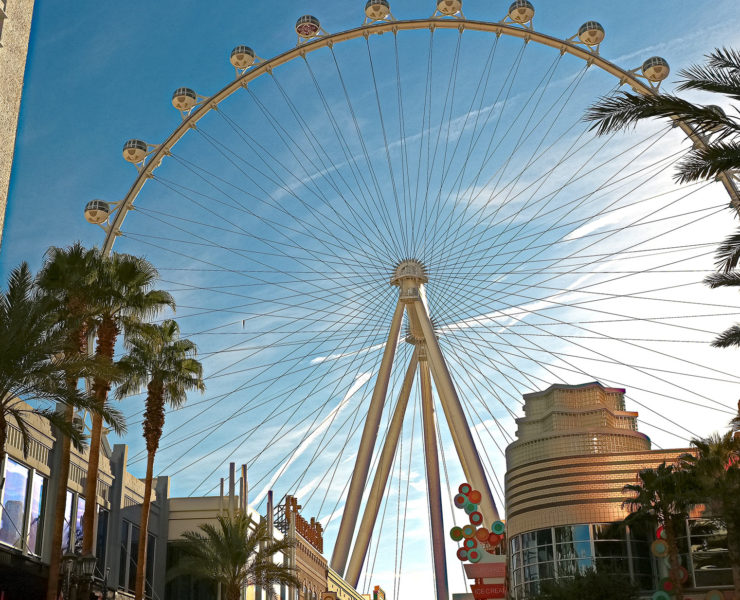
point(27, 511)
point(15, 29)
point(576, 448)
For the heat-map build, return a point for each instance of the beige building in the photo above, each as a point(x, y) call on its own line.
point(577, 448)
point(15, 28)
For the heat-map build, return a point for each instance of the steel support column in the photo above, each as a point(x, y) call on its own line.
point(434, 487)
point(375, 499)
point(365, 452)
point(455, 416)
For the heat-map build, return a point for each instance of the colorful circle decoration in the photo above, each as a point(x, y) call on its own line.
point(494, 539)
point(461, 500)
point(468, 531)
point(475, 496)
point(714, 595)
point(679, 574)
point(470, 508)
point(474, 556)
point(465, 489)
point(660, 534)
point(462, 554)
point(470, 544)
point(659, 548)
point(661, 595)
point(456, 533)
point(476, 519)
point(481, 533)
point(667, 585)
point(498, 527)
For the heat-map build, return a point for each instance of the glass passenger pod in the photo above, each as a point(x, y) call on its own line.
point(307, 27)
point(377, 10)
point(97, 212)
point(134, 151)
point(184, 99)
point(655, 69)
point(591, 33)
point(449, 8)
point(521, 11)
point(242, 57)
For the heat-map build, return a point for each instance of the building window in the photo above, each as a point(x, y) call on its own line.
point(101, 543)
point(129, 557)
point(13, 506)
point(37, 502)
point(67, 543)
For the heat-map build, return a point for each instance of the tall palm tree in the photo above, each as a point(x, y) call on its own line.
point(32, 364)
point(716, 469)
point(662, 496)
point(122, 298)
point(234, 553)
point(165, 365)
point(720, 154)
point(67, 280)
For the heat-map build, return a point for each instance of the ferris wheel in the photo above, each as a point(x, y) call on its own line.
point(382, 237)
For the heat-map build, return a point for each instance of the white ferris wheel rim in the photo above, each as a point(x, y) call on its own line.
point(624, 76)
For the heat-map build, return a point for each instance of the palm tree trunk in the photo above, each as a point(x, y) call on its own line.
point(733, 549)
point(143, 529)
point(107, 334)
point(673, 558)
point(52, 588)
point(233, 591)
point(3, 437)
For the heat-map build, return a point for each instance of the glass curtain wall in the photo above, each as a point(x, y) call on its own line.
point(22, 507)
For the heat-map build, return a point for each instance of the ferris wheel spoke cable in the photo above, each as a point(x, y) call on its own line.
point(538, 93)
point(318, 221)
point(547, 198)
point(274, 226)
point(286, 370)
point(632, 386)
point(455, 224)
point(288, 187)
point(325, 168)
point(617, 177)
point(546, 367)
point(276, 435)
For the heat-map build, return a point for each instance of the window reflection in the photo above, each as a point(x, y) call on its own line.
point(13, 504)
point(36, 516)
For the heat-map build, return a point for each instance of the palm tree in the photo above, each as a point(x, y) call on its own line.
point(164, 364)
point(716, 469)
point(122, 299)
point(662, 496)
point(67, 280)
point(721, 74)
point(32, 365)
point(720, 153)
point(234, 553)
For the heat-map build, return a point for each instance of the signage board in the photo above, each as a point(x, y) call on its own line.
point(488, 591)
point(486, 570)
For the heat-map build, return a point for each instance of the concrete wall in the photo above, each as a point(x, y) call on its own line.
point(15, 29)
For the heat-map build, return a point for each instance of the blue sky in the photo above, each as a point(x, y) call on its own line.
point(246, 239)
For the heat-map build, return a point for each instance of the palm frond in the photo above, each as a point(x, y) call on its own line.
point(728, 253)
point(716, 280)
point(708, 162)
point(624, 109)
point(709, 78)
point(729, 337)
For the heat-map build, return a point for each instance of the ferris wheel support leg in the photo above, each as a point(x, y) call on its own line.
point(434, 487)
point(369, 517)
point(365, 452)
point(455, 416)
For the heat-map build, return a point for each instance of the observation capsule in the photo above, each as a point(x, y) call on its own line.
point(521, 11)
point(655, 69)
point(97, 212)
point(449, 8)
point(242, 57)
point(307, 26)
point(591, 33)
point(134, 151)
point(184, 99)
point(377, 10)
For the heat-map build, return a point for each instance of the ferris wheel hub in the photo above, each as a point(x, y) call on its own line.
point(409, 275)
